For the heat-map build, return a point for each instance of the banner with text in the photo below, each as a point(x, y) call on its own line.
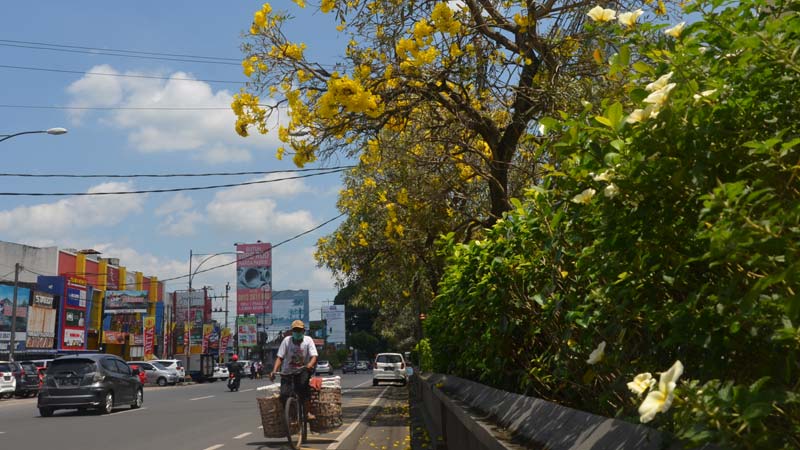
point(334, 320)
point(125, 302)
point(149, 337)
point(41, 322)
point(248, 335)
point(207, 330)
point(254, 278)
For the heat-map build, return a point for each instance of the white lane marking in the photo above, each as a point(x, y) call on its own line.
point(261, 427)
point(243, 435)
point(247, 390)
point(200, 398)
point(2, 432)
point(214, 447)
point(356, 386)
point(124, 412)
point(355, 423)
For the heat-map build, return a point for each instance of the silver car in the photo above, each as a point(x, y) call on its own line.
point(157, 373)
point(173, 364)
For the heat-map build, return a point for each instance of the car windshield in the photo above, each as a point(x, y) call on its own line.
point(322, 363)
point(158, 365)
point(5, 367)
point(392, 359)
point(73, 366)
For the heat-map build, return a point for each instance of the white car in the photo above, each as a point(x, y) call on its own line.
point(8, 383)
point(220, 372)
point(389, 367)
point(174, 364)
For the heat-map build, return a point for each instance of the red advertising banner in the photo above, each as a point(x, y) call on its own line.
point(254, 278)
point(186, 337)
point(223, 343)
point(207, 330)
point(149, 337)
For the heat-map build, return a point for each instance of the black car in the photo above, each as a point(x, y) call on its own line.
point(349, 366)
point(89, 381)
point(27, 379)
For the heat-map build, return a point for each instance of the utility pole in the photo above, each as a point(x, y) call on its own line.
point(11, 343)
point(227, 289)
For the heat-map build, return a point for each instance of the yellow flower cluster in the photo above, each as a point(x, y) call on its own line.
point(444, 19)
point(249, 65)
point(289, 50)
point(327, 6)
point(344, 92)
point(523, 22)
point(248, 112)
point(416, 52)
point(260, 18)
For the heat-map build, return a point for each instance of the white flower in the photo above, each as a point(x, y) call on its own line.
point(605, 176)
point(611, 190)
point(660, 400)
point(641, 383)
point(584, 197)
point(597, 354)
point(675, 31)
point(704, 94)
point(638, 115)
point(628, 19)
point(659, 83)
point(659, 97)
point(599, 14)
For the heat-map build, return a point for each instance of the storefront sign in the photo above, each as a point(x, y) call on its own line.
point(76, 293)
point(41, 322)
point(125, 302)
point(42, 300)
point(149, 336)
point(207, 330)
point(74, 339)
point(254, 278)
point(114, 337)
point(75, 318)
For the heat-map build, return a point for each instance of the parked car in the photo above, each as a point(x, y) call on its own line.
point(8, 384)
point(176, 364)
point(156, 373)
point(362, 365)
point(89, 380)
point(220, 372)
point(142, 375)
point(28, 380)
point(349, 366)
point(389, 367)
point(324, 367)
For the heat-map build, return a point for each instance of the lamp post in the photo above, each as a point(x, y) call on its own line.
point(192, 273)
point(53, 131)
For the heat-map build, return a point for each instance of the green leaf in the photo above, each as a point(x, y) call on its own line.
point(757, 410)
point(642, 67)
point(605, 121)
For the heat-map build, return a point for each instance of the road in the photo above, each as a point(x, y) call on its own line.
point(204, 417)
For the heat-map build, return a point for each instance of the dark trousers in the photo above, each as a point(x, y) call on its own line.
point(296, 382)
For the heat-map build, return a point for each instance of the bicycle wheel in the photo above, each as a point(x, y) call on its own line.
point(294, 423)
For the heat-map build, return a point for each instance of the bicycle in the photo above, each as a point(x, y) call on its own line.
point(295, 416)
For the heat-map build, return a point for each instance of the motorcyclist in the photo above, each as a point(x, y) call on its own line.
point(235, 368)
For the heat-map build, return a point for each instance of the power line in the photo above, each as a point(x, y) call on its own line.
point(153, 77)
point(106, 53)
point(118, 50)
point(151, 191)
point(123, 108)
point(170, 175)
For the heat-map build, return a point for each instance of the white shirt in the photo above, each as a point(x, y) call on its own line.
point(296, 356)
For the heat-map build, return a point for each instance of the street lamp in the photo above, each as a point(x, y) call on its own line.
point(53, 131)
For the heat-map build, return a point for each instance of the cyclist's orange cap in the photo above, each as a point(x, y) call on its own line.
point(298, 324)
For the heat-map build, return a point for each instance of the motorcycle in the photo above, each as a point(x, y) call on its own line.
point(233, 382)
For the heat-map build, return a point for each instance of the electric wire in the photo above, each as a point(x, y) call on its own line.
point(12, 41)
point(157, 191)
point(105, 53)
point(120, 75)
point(170, 175)
point(122, 108)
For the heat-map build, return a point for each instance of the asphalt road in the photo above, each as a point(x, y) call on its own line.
point(193, 417)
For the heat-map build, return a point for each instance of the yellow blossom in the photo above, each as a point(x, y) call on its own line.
point(584, 197)
point(600, 14)
point(629, 19)
point(279, 153)
point(597, 354)
point(641, 383)
point(675, 31)
point(660, 400)
point(300, 3)
point(327, 5)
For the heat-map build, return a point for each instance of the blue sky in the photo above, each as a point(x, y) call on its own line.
point(152, 233)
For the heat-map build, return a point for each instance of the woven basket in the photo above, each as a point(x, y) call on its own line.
point(272, 417)
point(326, 405)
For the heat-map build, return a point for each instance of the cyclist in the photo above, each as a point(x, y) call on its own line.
point(300, 354)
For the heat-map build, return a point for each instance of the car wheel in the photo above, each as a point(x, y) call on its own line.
point(374, 382)
point(137, 403)
point(162, 381)
point(108, 404)
point(6, 395)
point(45, 412)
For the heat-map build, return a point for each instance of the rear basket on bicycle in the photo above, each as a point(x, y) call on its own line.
point(326, 405)
point(272, 416)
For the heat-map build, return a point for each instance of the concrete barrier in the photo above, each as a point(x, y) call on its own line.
point(461, 414)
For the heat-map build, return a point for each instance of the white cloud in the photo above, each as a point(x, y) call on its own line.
point(253, 209)
point(178, 202)
point(180, 223)
point(297, 269)
point(209, 132)
point(46, 222)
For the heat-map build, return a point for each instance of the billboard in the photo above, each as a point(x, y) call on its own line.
point(149, 337)
point(73, 315)
point(125, 302)
point(254, 278)
point(41, 322)
point(6, 313)
point(288, 306)
point(334, 321)
point(248, 336)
